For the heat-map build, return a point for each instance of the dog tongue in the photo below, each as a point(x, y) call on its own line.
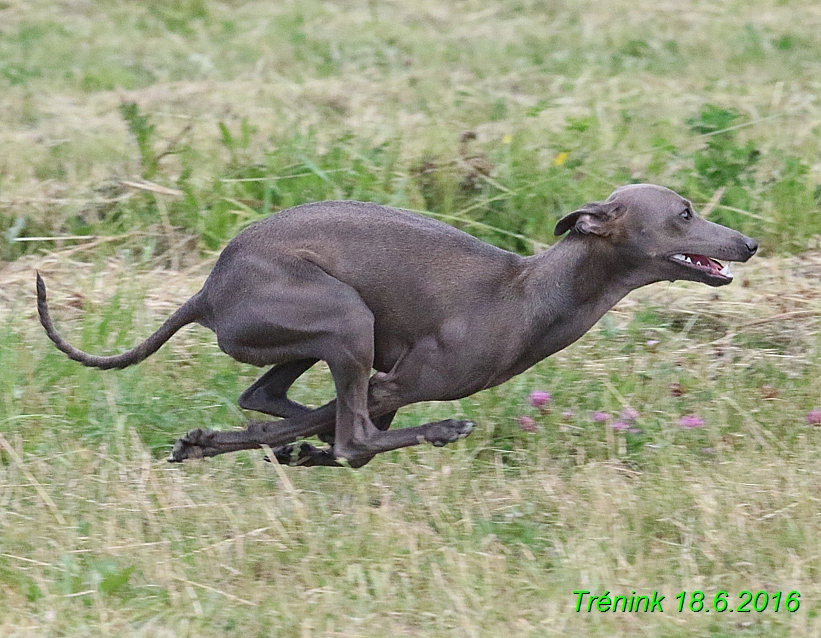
point(707, 263)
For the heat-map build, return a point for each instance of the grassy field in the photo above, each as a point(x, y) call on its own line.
point(139, 136)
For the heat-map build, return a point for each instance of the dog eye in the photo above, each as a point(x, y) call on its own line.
point(686, 214)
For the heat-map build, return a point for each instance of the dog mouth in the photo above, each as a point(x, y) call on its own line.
point(704, 264)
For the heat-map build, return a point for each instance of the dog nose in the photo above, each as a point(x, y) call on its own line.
point(751, 244)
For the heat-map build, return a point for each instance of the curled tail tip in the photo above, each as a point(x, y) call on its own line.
point(41, 286)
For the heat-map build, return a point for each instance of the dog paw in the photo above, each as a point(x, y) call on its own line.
point(445, 432)
point(284, 455)
point(305, 455)
point(310, 456)
point(194, 445)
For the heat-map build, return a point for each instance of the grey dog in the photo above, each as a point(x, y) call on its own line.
point(437, 313)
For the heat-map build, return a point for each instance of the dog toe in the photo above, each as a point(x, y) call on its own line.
point(283, 454)
point(310, 456)
point(184, 450)
point(467, 428)
point(449, 431)
point(191, 446)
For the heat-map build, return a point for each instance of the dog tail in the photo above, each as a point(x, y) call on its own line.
point(185, 314)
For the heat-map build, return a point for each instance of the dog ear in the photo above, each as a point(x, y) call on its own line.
point(591, 219)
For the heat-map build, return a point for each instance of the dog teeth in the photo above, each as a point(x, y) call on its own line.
point(726, 271)
point(678, 256)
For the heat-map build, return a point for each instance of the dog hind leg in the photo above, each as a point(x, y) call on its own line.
point(269, 393)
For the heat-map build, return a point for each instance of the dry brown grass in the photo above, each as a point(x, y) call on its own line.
point(99, 536)
point(411, 544)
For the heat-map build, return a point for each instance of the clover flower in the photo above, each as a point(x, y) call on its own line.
point(539, 399)
point(690, 421)
point(527, 424)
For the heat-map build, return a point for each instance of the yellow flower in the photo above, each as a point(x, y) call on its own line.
point(507, 139)
point(561, 158)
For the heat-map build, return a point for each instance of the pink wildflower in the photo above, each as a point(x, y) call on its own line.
point(629, 414)
point(601, 417)
point(527, 424)
point(814, 417)
point(620, 425)
point(539, 399)
point(690, 421)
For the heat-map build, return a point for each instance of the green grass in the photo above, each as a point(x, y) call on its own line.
point(242, 109)
point(99, 534)
point(369, 100)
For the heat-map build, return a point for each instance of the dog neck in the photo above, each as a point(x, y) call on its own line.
point(572, 285)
